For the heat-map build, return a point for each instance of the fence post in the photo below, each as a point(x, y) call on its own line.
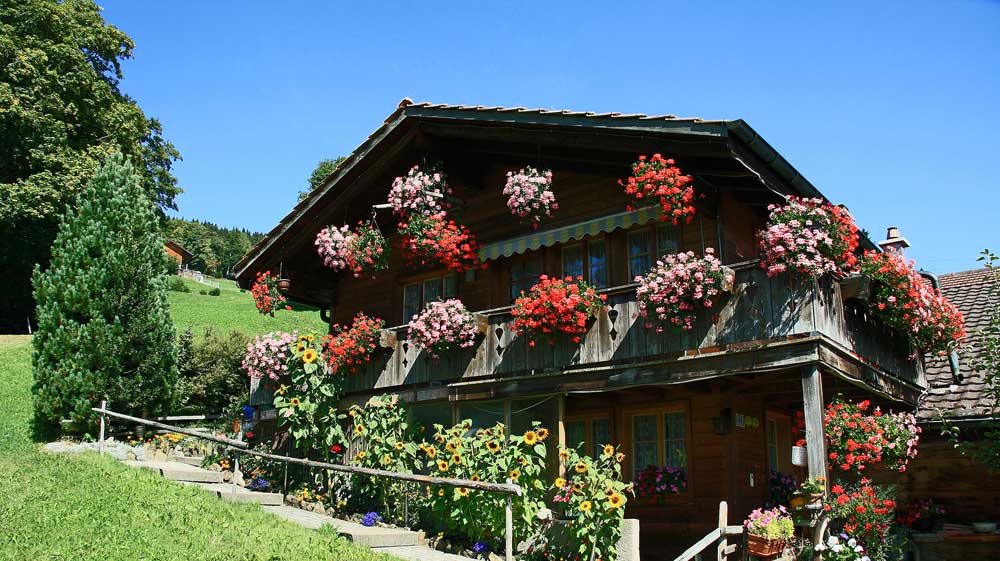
point(509, 526)
point(236, 459)
point(722, 555)
point(100, 433)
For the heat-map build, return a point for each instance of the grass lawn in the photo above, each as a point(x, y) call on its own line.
point(234, 311)
point(61, 507)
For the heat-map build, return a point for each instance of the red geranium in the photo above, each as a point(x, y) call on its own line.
point(866, 511)
point(660, 178)
point(431, 240)
point(266, 295)
point(857, 438)
point(348, 348)
point(556, 305)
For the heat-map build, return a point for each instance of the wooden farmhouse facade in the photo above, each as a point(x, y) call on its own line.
point(716, 401)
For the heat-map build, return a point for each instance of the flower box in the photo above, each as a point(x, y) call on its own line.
point(763, 547)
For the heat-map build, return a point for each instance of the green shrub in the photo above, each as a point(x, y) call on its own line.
point(177, 284)
point(202, 292)
point(104, 329)
point(210, 371)
point(214, 292)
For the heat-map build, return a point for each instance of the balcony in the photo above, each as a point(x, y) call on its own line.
point(763, 324)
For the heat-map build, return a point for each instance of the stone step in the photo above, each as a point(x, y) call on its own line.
point(371, 536)
point(189, 460)
point(421, 553)
point(178, 471)
point(225, 491)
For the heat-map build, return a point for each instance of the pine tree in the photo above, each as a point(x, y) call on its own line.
point(104, 329)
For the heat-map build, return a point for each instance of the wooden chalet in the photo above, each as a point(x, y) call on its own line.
point(715, 401)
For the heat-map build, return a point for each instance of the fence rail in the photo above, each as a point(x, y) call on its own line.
point(717, 537)
point(238, 446)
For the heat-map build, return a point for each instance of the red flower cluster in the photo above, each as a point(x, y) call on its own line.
point(660, 178)
point(866, 510)
point(434, 239)
point(266, 295)
point(857, 440)
point(556, 305)
point(348, 348)
point(799, 428)
point(910, 305)
point(920, 512)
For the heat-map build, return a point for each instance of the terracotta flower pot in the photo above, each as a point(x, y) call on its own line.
point(763, 547)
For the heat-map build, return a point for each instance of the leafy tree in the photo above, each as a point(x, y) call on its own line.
point(215, 248)
point(104, 329)
point(322, 170)
point(62, 114)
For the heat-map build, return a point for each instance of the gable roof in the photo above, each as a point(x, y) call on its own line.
point(973, 292)
point(731, 131)
point(185, 254)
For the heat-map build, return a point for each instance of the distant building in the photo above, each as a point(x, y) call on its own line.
point(178, 253)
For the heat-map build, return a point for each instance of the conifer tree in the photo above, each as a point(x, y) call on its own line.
point(104, 329)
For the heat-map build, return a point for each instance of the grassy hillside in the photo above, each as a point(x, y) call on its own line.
point(234, 310)
point(55, 507)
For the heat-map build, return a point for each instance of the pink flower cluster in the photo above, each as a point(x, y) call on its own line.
point(363, 250)
point(677, 286)
point(267, 355)
point(334, 246)
point(443, 326)
point(419, 192)
point(809, 236)
point(530, 194)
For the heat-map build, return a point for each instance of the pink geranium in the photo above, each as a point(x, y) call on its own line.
point(443, 326)
point(419, 192)
point(677, 286)
point(529, 193)
point(362, 251)
point(267, 355)
point(809, 236)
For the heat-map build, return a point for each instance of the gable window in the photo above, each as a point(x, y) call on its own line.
point(639, 261)
point(524, 274)
point(416, 295)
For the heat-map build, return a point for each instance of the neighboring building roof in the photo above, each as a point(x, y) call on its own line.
point(974, 294)
point(737, 130)
point(185, 254)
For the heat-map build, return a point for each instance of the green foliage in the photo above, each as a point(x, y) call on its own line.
point(215, 249)
point(210, 375)
point(307, 399)
point(215, 292)
point(104, 329)
point(320, 172)
point(52, 506)
point(177, 284)
point(63, 114)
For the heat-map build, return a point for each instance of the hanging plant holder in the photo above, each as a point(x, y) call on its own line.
point(284, 284)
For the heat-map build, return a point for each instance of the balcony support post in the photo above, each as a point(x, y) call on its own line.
point(812, 406)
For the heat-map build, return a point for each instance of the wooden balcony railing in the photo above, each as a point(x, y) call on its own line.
point(759, 309)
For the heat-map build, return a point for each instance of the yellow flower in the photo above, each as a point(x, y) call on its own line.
point(616, 500)
point(560, 482)
point(431, 451)
point(530, 438)
point(309, 356)
point(387, 459)
point(543, 433)
point(524, 462)
point(620, 457)
point(299, 348)
point(399, 446)
point(463, 492)
point(360, 429)
point(492, 445)
point(282, 389)
point(350, 413)
point(581, 467)
point(361, 455)
point(578, 487)
point(310, 337)
point(439, 438)
point(608, 449)
point(585, 506)
point(474, 477)
point(514, 474)
point(440, 492)
point(456, 459)
point(295, 401)
point(564, 454)
point(451, 446)
point(442, 465)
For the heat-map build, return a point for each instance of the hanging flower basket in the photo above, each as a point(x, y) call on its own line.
point(284, 285)
point(555, 305)
point(419, 192)
point(810, 237)
point(348, 348)
point(678, 286)
point(658, 180)
point(442, 327)
point(434, 240)
point(530, 196)
point(266, 292)
point(800, 456)
point(363, 251)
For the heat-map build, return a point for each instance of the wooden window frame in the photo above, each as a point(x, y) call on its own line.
point(653, 249)
point(660, 411)
point(588, 429)
point(420, 281)
point(586, 266)
point(783, 442)
point(521, 260)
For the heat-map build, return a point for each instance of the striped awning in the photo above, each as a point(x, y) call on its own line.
point(546, 238)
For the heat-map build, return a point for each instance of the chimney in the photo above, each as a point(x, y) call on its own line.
point(894, 242)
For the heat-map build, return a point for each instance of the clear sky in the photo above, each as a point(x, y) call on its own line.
point(889, 108)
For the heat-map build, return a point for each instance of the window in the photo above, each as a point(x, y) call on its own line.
point(572, 261)
point(416, 295)
point(675, 439)
point(597, 262)
point(666, 240)
point(645, 451)
point(589, 435)
point(638, 254)
point(576, 434)
point(659, 438)
point(778, 440)
point(523, 275)
point(600, 434)
point(772, 444)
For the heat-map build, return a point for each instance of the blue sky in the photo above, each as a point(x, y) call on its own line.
point(889, 109)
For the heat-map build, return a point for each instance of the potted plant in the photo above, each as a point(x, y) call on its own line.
point(530, 194)
point(678, 286)
point(443, 326)
point(841, 548)
point(767, 530)
point(813, 490)
point(555, 305)
point(809, 237)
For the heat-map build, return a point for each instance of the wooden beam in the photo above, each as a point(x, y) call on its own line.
point(812, 399)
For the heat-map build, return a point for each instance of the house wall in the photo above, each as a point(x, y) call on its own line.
point(174, 255)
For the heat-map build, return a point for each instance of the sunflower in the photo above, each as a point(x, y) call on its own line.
point(440, 492)
point(295, 401)
point(609, 449)
point(492, 445)
point(524, 462)
point(564, 454)
point(530, 438)
point(442, 465)
point(585, 506)
point(616, 500)
point(387, 459)
point(310, 337)
point(463, 492)
point(451, 446)
point(302, 338)
point(299, 348)
point(620, 457)
point(578, 487)
point(439, 438)
point(399, 446)
point(543, 433)
point(580, 467)
point(474, 477)
point(350, 413)
point(281, 390)
point(309, 356)
point(456, 459)
point(360, 429)
point(431, 451)
point(560, 482)
point(362, 454)
point(514, 474)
